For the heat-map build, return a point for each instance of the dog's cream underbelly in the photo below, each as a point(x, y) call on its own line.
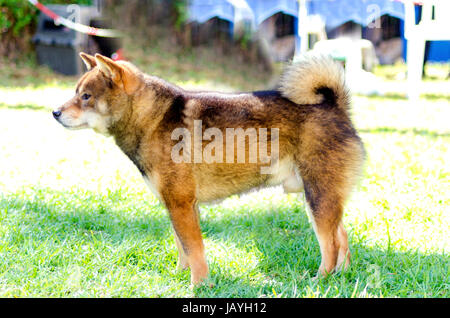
point(286, 173)
point(214, 185)
point(151, 185)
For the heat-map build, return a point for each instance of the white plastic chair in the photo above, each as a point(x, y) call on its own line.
point(308, 24)
point(432, 27)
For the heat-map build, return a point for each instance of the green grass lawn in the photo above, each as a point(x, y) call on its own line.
point(76, 219)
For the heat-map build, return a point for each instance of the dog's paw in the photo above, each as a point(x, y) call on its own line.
point(204, 284)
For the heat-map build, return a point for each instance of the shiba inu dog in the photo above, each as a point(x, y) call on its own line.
point(306, 141)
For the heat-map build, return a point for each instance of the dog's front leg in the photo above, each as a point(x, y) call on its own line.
point(182, 258)
point(189, 238)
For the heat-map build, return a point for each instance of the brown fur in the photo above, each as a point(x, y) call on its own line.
point(317, 144)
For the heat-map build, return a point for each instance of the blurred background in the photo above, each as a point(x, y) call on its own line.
point(375, 40)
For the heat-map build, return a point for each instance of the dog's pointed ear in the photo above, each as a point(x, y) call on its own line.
point(88, 60)
point(122, 75)
point(109, 68)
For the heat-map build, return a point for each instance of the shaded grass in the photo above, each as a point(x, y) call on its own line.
point(203, 67)
point(27, 73)
point(198, 66)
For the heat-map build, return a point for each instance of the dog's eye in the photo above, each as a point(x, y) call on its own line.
point(85, 96)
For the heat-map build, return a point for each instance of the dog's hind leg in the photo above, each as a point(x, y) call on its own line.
point(326, 217)
point(329, 161)
point(326, 189)
point(333, 243)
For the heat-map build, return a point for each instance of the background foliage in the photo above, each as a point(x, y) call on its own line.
point(18, 20)
point(146, 20)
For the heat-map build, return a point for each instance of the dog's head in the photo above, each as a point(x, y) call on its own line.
point(101, 96)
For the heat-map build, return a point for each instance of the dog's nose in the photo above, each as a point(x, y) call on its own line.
point(56, 113)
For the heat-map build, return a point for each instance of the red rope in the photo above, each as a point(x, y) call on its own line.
point(47, 11)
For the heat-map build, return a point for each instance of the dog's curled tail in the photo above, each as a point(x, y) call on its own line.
point(315, 79)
